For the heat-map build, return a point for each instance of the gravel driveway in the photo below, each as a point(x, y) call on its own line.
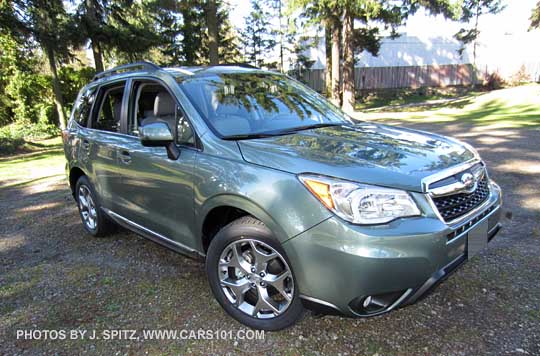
point(53, 276)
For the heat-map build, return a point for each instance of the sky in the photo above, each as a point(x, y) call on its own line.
point(504, 44)
point(514, 18)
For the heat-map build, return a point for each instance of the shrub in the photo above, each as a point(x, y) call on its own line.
point(10, 140)
point(520, 77)
point(493, 81)
point(14, 136)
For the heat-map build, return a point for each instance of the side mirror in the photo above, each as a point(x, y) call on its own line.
point(159, 134)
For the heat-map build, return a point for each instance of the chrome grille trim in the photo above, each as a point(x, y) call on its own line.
point(447, 173)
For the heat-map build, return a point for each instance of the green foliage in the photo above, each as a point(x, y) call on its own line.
point(25, 89)
point(14, 136)
point(72, 79)
point(535, 17)
point(472, 10)
point(10, 140)
point(182, 27)
point(258, 37)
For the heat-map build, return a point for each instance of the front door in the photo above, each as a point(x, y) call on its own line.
point(157, 192)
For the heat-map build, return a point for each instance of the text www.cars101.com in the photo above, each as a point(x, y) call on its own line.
point(146, 334)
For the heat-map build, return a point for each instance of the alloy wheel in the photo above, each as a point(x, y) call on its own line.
point(87, 207)
point(255, 278)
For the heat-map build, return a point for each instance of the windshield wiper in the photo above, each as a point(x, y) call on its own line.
point(278, 132)
point(307, 127)
point(250, 136)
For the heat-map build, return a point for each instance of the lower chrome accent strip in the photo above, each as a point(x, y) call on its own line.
point(319, 301)
point(398, 302)
point(390, 308)
point(117, 217)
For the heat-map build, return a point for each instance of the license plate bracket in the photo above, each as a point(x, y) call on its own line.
point(477, 238)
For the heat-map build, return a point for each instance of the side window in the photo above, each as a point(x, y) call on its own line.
point(110, 108)
point(151, 102)
point(81, 112)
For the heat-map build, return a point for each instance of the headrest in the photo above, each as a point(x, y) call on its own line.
point(164, 104)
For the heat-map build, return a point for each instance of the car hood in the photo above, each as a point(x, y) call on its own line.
point(366, 152)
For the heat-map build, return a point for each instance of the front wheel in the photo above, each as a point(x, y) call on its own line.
point(251, 276)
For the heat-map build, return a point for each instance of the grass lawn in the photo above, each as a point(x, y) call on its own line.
point(47, 161)
point(406, 99)
point(512, 107)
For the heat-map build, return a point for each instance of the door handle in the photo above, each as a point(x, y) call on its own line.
point(125, 157)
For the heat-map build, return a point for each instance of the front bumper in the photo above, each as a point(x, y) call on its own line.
point(337, 265)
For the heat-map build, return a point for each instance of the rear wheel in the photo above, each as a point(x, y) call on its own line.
point(94, 220)
point(251, 276)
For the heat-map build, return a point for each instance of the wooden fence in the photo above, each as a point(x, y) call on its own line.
point(400, 77)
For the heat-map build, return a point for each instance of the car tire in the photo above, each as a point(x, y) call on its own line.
point(250, 276)
point(94, 220)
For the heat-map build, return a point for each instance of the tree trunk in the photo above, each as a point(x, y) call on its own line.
point(98, 56)
point(328, 53)
point(211, 19)
point(336, 50)
point(475, 45)
point(348, 64)
point(94, 43)
point(58, 99)
point(281, 63)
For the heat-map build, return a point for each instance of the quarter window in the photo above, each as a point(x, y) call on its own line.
point(81, 113)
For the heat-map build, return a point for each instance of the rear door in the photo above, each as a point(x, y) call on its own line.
point(101, 141)
point(157, 192)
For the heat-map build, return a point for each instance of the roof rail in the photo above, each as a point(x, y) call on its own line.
point(143, 65)
point(243, 65)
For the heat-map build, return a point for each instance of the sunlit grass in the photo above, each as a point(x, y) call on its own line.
point(513, 107)
point(25, 168)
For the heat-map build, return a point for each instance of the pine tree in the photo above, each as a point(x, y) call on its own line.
point(229, 43)
point(535, 17)
point(213, 31)
point(44, 22)
point(257, 36)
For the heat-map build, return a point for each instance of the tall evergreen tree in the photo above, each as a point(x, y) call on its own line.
point(329, 14)
point(228, 41)
point(44, 22)
point(213, 31)
point(124, 30)
point(257, 36)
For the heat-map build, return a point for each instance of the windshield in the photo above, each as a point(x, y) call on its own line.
point(247, 105)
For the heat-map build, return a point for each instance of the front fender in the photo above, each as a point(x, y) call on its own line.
point(275, 197)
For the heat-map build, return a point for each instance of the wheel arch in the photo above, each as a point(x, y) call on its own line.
point(74, 174)
point(223, 209)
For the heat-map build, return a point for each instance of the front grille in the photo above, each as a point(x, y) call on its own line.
point(453, 206)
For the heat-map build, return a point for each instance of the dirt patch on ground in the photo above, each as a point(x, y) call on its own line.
point(54, 276)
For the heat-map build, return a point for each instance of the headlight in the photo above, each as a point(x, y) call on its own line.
point(360, 203)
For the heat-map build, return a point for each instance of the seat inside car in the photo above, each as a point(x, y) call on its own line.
point(164, 110)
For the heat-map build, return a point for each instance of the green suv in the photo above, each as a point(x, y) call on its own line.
point(291, 204)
